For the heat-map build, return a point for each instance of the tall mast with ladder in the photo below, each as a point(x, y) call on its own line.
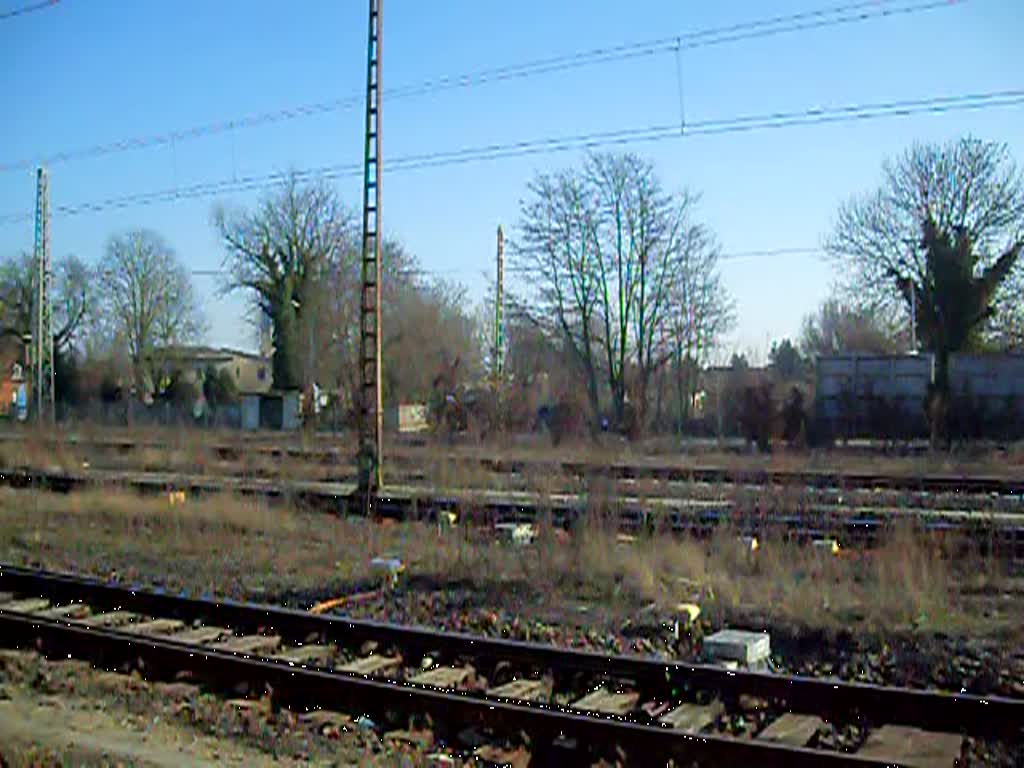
point(42, 319)
point(370, 403)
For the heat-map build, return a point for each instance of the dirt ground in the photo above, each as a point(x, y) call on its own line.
point(66, 713)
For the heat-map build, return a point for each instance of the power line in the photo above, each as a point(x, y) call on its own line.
point(26, 9)
point(655, 133)
point(796, 251)
point(517, 269)
point(826, 17)
point(723, 256)
point(408, 271)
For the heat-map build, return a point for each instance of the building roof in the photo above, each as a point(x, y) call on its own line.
point(204, 353)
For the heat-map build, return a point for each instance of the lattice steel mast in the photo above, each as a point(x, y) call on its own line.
point(42, 317)
point(370, 405)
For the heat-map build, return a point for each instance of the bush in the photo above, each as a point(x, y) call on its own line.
point(794, 419)
point(110, 390)
point(757, 416)
point(218, 387)
point(563, 421)
point(68, 379)
point(180, 392)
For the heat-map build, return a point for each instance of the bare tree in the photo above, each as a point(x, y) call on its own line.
point(71, 297)
point(282, 254)
point(425, 323)
point(642, 234)
point(17, 294)
point(608, 248)
point(149, 300)
point(1006, 328)
point(785, 360)
point(702, 313)
point(430, 330)
point(969, 186)
point(837, 328)
point(529, 350)
point(557, 250)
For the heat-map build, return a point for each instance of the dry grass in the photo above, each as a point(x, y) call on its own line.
point(838, 461)
point(184, 455)
point(446, 472)
point(244, 548)
point(189, 450)
point(35, 451)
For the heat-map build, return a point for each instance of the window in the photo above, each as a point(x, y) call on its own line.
point(261, 374)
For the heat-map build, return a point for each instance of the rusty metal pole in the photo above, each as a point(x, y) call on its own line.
point(370, 405)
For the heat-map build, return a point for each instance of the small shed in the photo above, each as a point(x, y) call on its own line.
point(250, 403)
point(278, 410)
point(412, 417)
point(291, 411)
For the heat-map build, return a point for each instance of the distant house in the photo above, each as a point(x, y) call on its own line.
point(250, 372)
point(12, 373)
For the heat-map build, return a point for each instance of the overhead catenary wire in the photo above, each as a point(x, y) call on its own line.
point(654, 133)
point(27, 9)
point(519, 269)
point(835, 15)
point(221, 272)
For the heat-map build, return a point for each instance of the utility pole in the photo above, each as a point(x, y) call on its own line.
point(913, 318)
point(42, 316)
point(499, 326)
point(911, 245)
point(370, 402)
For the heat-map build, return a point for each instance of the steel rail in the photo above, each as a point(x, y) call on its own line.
point(648, 469)
point(989, 716)
point(301, 687)
point(425, 495)
point(854, 525)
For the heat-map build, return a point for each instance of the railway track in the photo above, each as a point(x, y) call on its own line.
point(572, 706)
point(1000, 533)
point(513, 481)
point(412, 454)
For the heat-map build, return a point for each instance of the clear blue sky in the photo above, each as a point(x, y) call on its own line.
point(88, 72)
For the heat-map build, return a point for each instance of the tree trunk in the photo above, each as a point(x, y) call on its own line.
point(692, 380)
point(286, 358)
point(680, 398)
point(659, 413)
point(938, 406)
point(595, 400)
point(640, 406)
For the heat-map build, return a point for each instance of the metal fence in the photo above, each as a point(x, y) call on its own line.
point(886, 395)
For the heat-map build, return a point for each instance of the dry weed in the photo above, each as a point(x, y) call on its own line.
point(244, 547)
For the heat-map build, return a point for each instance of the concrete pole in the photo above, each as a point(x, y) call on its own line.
point(913, 317)
point(499, 320)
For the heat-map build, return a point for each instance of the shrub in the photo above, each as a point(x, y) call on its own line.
point(757, 416)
